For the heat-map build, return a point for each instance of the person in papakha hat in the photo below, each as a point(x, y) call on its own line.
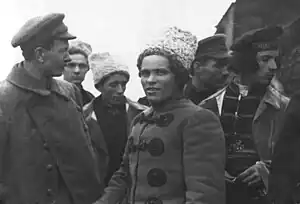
point(111, 107)
point(75, 72)
point(46, 154)
point(76, 69)
point(176, 150)
point(209, 68)
point(254, 61)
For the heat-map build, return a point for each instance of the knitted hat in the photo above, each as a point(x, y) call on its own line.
point(177, 42)
point(83, 46)
point(104, 64)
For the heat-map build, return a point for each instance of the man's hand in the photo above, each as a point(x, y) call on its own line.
point(250, 176)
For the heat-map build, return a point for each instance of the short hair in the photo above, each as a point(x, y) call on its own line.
point(176, 67)
point(29, 49)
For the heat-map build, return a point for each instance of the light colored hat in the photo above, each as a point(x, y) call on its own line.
point(182, 44)
point(83, 46)
point(104, 64)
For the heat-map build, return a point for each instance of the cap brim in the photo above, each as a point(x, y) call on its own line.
point(66, 36)
point(220, 55)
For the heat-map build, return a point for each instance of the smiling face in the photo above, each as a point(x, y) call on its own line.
point(157, 79)
point(267, 65)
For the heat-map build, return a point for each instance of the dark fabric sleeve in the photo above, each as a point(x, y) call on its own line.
point(3, 148)
point(285, 167)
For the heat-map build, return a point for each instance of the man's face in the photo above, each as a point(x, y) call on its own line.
point(212, 72)
point(113, 88)
point(267, 65)
point(157, 79)
point(56, 58)
point(76, 69)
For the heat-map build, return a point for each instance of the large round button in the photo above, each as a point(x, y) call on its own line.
point(156, 147)
point(156, 177)
point(153, 200)
point(46, 147)
point(49, 167)
point(49, 192)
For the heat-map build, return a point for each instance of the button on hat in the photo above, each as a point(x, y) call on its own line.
point(104, 64)
point(213, 46)
point(40, 29)
point(258, 40)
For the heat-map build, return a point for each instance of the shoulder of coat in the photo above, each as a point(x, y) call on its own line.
point(136, 105)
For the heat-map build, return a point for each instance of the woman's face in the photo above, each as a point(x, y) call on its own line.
point(157, 79)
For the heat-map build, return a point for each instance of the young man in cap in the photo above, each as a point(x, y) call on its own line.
point(209, 69)
point(176, 151)
point(45, 151)
point(110, 108)
point(75, 72)
point(254, 62)
point(76, 69)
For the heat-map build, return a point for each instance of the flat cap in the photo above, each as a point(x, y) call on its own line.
point(41, 28)
point(213, 46)
point(258, 39)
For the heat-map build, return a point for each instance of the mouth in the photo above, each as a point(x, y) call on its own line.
point(152, 89)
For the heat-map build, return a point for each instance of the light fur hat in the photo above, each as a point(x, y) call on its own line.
point(104, 64)
point(83, 46)
point(183, 44)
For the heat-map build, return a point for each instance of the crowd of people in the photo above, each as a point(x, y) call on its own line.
point(217, 124)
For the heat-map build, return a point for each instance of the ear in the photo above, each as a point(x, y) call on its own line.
point(39, 54)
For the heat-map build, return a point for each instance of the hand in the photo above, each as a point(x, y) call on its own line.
point(250, 176)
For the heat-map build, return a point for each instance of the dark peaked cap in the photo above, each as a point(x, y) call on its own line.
point(214, 46)
point(258, 39)
point(41, 28)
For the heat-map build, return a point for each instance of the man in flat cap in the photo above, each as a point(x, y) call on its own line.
point(254, 61)
point(209, 68)
point(45, 149)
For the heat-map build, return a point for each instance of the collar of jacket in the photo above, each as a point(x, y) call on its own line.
point(276, 99)
point(20, 77)
point(88, 109)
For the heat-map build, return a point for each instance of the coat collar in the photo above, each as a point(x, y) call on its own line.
point(20, 77)
point(274, 99)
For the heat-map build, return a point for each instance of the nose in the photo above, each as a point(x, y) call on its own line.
point(76, 69)
point(272, 64)
point(151, 78)
point(120, 89)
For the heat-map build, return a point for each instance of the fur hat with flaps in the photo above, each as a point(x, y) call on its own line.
point(179, 43)
point(104, 65)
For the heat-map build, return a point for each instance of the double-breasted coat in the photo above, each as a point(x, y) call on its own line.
point(45, 150)
point(174, 154)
